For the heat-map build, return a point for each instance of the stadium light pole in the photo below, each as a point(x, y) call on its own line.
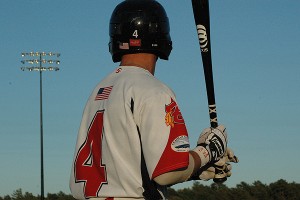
point(40, 62)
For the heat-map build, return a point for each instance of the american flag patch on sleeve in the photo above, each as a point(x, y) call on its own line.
point(103, 93)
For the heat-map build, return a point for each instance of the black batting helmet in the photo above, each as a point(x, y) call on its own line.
point(139, 26)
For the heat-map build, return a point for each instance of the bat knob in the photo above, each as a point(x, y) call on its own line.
point(220, 176)
point(220, 180)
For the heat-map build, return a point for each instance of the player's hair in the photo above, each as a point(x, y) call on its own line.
point(139, 26)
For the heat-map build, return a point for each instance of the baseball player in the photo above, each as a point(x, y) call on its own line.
point(133, 142)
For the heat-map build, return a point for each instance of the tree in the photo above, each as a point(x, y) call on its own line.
point(17, 194)
point(29, 196)
point(281, 190)
point(52, 196)
point(7, 197)
point(260, 191)
point(173, 195)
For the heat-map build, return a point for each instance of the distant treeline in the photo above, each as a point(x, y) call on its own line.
point(279, 190)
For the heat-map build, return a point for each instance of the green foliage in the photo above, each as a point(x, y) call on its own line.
point(279, 190)
point(18, 195)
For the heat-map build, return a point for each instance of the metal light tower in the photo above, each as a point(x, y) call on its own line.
point(41, 61)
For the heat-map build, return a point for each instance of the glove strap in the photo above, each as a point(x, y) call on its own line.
point(203, 154)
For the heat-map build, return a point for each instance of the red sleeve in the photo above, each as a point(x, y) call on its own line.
point(176, 153)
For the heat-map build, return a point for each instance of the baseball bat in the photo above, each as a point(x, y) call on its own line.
point(202, 21)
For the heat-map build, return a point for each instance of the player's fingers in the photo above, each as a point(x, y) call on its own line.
point(207, 175)
point(228, 167)
point(220, 175)
point(234, 159)
point(231, 157)
point(228, 174)
point(221, 162)
point(223, 171)
point(211, 169)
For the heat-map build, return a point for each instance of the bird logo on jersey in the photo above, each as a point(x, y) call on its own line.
point(179, 141)
point(173, 114)
point(169, 119)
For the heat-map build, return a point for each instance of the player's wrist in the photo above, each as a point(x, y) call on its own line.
point(203, 155)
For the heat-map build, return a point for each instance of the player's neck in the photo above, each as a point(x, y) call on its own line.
point(143, 60)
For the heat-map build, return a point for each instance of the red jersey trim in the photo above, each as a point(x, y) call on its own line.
point(182, 165)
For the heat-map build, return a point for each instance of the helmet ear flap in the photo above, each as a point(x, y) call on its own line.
point(139, 26)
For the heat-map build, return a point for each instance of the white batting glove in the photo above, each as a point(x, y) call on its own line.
point(219, 170)
point(211, 145)
point(223, 166)
point(210, 173)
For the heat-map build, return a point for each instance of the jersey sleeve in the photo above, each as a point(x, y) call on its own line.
point(164, 135)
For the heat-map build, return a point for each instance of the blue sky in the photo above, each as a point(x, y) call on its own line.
point(256, 64)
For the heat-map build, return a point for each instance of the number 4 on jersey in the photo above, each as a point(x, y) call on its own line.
point(88, 163)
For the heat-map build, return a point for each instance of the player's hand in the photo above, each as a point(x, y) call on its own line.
point(211, 145)
point(219, 170)
point(223, 171)
point(223, 166)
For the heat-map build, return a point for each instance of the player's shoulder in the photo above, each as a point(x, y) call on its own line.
point(143, 82)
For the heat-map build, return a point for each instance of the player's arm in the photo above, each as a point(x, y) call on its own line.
point(211, 147)
point(161, 123)
point(223, 165)
point(177, 176)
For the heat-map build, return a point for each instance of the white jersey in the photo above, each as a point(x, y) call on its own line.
point(129, 116)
